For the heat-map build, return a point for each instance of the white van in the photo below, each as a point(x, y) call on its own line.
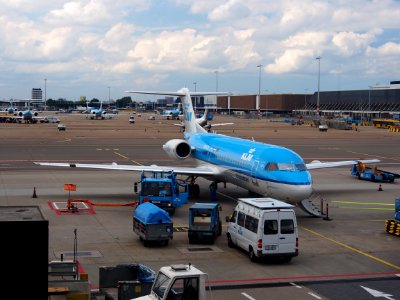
point(264, 227)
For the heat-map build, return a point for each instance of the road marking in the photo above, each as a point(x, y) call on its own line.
point(352, 248)
point(295, 285)
point(378, 294)
point(123, 156)
point(365, 203)
point(135, 162)
point(315, 296)
point(248, 296)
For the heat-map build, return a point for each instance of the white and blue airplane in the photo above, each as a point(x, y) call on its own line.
point(172, 113)
point(263, 169)
point(203, 122)
point(97, 113)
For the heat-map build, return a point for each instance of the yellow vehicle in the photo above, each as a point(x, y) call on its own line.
point(385, 123)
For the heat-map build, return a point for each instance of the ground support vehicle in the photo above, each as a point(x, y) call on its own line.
point(61, 127)
point(132, 119)
point(152, 224)
point(393, 226)
point(179, 282)
point(162, 189)
point(365, 172)
point(264, 228)
point(204, 222)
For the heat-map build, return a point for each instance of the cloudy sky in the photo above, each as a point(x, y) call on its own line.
point(101, 48)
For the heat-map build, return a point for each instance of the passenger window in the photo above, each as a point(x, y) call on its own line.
point(251, 224)
point(270, 227)
point(287, 226)
point(240, 220)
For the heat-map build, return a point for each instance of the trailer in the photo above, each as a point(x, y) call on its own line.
point(152, 224)
point(362, 171)
point(162, 189)
point(204, 222)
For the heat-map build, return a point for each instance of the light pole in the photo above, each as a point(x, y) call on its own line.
point(319, 74)
point(45, 98)
point(259, 88)
point(216, 81)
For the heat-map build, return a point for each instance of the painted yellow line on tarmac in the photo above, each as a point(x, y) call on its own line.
point(123, 156)
point(366, 208)
point(364, 203)
point(135, 162)
point(358, 205)
point(352, 249)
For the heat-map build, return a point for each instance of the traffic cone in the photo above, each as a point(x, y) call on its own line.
point(380, 188)
point(34, 193)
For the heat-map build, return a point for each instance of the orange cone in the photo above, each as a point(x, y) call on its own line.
point(380, 188)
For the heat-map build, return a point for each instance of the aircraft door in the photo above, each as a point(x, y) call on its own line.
point(254, 168)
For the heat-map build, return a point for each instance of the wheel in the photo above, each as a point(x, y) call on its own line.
point(252, 255)
point(230, 243)
point(166, 242)
point(358, 175)
point(219, 229)
point(373, 178)
point(191, 240)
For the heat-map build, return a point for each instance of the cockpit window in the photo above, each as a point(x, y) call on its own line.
point(271, 166)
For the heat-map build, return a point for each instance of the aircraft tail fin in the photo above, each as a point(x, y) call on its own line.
point(189, 117)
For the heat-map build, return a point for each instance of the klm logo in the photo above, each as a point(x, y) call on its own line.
point(249, 155)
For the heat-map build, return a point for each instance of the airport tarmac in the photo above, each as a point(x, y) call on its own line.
point(336, 256)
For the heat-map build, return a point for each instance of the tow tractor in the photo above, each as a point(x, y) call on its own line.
point(162, 189)
point(362, 171)
point(179, 282)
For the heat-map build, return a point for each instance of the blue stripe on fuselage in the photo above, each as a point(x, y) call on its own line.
point(240, 155)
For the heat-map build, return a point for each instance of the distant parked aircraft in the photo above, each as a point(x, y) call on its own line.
point(203, 122)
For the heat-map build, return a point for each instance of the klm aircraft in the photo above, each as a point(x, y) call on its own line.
point(172, 113)
point(203, 122)
point(263, 169)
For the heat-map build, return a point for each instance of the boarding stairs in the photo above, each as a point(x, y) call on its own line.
point(313, 204)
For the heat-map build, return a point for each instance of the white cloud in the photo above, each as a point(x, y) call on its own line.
point(290, 61)
point(350, 43)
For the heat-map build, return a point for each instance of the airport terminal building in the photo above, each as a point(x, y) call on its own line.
point(379, 100)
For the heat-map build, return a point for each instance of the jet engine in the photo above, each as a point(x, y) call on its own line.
point(177, 148)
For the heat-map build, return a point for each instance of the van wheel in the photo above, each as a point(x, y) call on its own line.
point(252, 256)
point(230, 243)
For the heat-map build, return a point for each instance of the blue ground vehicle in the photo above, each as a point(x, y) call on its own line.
point(204, 222)
point(372, 173)
point(152, 223)
point(162, 189)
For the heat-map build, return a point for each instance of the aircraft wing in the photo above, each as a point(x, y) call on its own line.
point(220, 124)
point(321, 165)
point(201, 170)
